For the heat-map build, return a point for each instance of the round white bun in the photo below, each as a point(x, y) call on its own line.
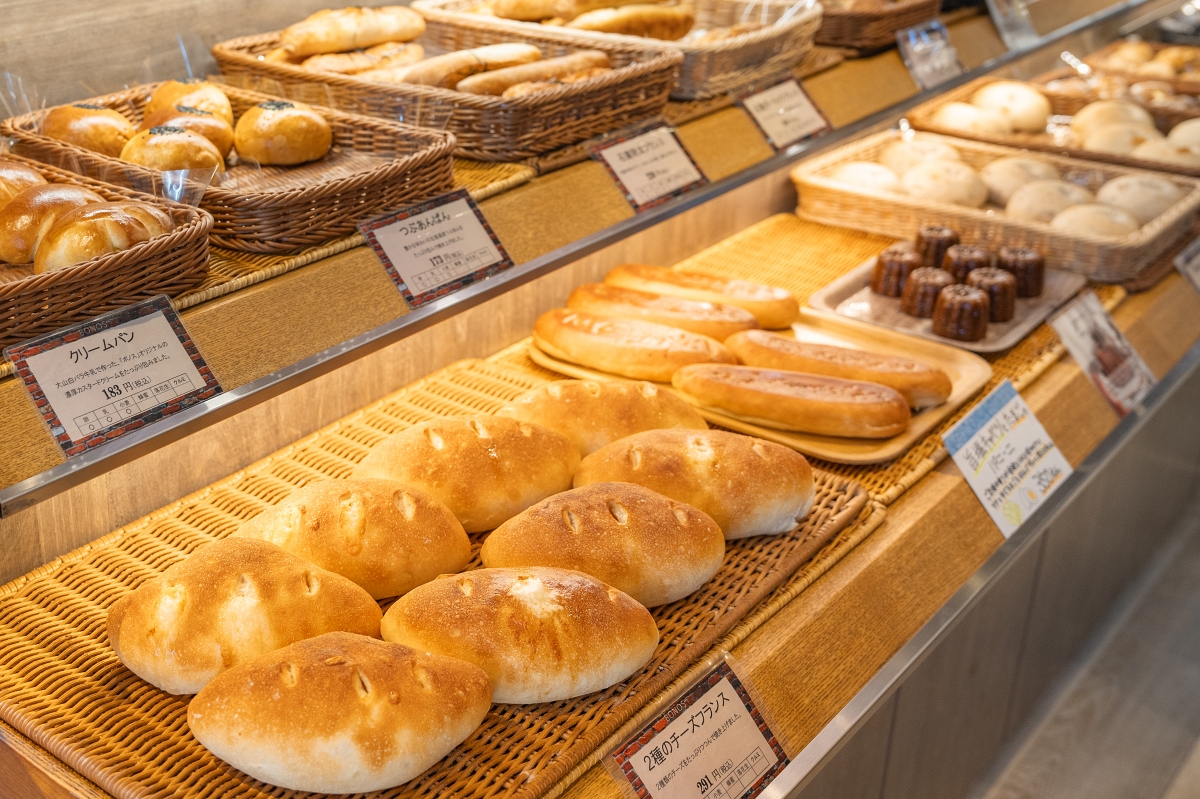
point(1042, 200)
point(1095, 220)
point(1120, 138)
point(1185, 134)
point(966, 118)
point(1025, 108)
point(1143, 197)
point(1005, 175)
point(947, 182)
point(1164, 152)
point(867, 175)
point(902, 156)
point(1108, 112)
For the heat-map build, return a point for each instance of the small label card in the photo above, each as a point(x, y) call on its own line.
point(98, 380)
point(928, 54)
point(1008, 459)
point(650, 166)
point(436, 247)
point(712, 743)
point(1188, 263)
point(785, 114)
point(1103, 353)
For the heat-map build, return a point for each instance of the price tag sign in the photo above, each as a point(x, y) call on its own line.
point(1103, 352)
point(1008, 459)
point(436, 247)
point(785, 114)
point(712, 743)
point(928, 54)
point(1188, 263)
point(651, 166)
point(98, 380)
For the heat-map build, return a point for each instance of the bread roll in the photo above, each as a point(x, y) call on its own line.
point(1096, 220)
point(1026, 109)
point(1166, 152)
point(193, 93)
point(706, 318)
point(497, 81)
point(1042, 200)
point(570, 9)
point(227, 603)
point(385, 75)
point(626, 347)
point(340, 713)
point(28, 217)
point(172, 148)
point(592, 414)
point(386, 537)
point(867, 175)
point(381, 56)
point(1005, 175)
point(748, 486)
point(921, 385)
point(15, 178)
point(282, 134)
point(903, 155)
point(342, 29)
point(205, 123)
point(651, 21)
point(485, 470)
point(1142, 196)
point(972, 120)
point(772, 307)
point(99, 229)
point(92, 127)
point(448, 70)
point(1185, 134)
point(525, 10)
point(1108, 112)
point(946, 182)
point(651, 547)
point(541, 634)
point(280, 55)
point(1121, 138)
point(537, 87)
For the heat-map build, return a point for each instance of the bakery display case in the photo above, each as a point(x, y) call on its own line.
point(883, 634)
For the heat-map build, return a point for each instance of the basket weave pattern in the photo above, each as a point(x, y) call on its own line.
point(873, 28)
point(1189, 83)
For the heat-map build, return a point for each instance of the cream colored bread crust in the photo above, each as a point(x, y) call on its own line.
point(651, 547)
point(228, 603)
point(706, 318)
point(541, 634)
point(748, 486)
point(386, 537)
point(772, 307)
point(340, 713)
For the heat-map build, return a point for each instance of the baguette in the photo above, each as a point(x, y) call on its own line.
point(447, 70)
point(537, 87)
point(339, 30)
point(706, 318)
point(652, 22)
point(525, 10)
point(570, 9)
point(772, 307)
point(381, 56)
point(497, 81)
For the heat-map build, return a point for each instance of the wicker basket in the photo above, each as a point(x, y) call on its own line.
point(1102, 259)
point(1070, 103)
point(33, 305)
point(374, 166)
point(1187, 85)
point(487, 128)
point(873, 28)
point(758, 58)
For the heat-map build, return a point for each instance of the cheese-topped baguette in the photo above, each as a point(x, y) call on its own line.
point(626, 347)
point(921, 385)
point(498, 81)
point(772, 307)
point(706, 318)
point(651, 21)
point(448, 70)
point(342, 29)
point(828, 406)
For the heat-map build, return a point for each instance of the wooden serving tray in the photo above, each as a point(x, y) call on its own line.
point(968, 374)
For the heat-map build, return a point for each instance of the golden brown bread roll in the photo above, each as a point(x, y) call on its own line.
point(485, 470)
point(92, 127)
point(342, 29)
point(921, 385)
point(592, 414)
point(28, 217)
point(381, 56)
point(773, 307)
point(168, 148)
point(280, 55)
point(386, 537)
point(385, 75)
point(827, 406)
point(193, 93)
point(653, 22)
point(16, 178)
point(196, 120)
point(570, 9)
point(99, 229)
point(525, 10)
point(541, 634)
point(706, 318)
point(340, 713)
point(447, 70)
point(496, 82)
point(627, 347)
point(537, 87)
point(747, 485)
point(227, 603)
point(281, 133)
point(651, 547)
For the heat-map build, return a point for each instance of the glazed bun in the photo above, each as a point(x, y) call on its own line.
point(902, 156)
point(1120, 138)
point(196, 120)
point(1005, 175)
point(867, 175)
point(172, 148)
point(1042, 200)
point(1096, 220)
point(282, 133)
point(966, 118)
point(946, 182)
point(1108, 112)
point(193, 93)
point(1141, 196)
point(15, 178)
point(1185, 134)
point(92, 127)
point(99, 229)
point(1165, 152)
point(27, 218)
point(1025, 108)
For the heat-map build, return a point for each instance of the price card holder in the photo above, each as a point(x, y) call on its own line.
point(785, 114)
point(713, 742)
point(98, 380)
point(437, 247)
point(1103, 352)
point(1188, 263)
point(1009, 460)
point(1012, 20)
point(928, 54)
point(650, 165)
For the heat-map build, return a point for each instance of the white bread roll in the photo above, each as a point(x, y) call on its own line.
point(1144, 197)
point(772, 306)
point(1005, 175)
point(1108, 112)
point(946, 182)
point(748, 486)
point(485, 470)
point(651, 547)
point(1165, 152)
point(711, 319)
point(1119, 138)
point(902, 156)
point(867, 175)
point(228, 603)
point(386, 537)
point(541, 634)
point(1042, 200)
point(340, 713)
point(972, 120)
point(921, 385)
point(1026, 109)
point(592, 414)
point(626, 347)
point(1096, 220)
point(1185, 134)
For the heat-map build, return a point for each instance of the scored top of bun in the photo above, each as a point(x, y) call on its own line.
point(772, 306)
point(193, 93)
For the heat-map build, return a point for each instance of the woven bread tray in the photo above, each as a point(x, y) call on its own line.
point(757, 58)
point(374, 166)
point(1189, 84)
point(1103, 259)
point(922, 118)
point(873, 28)
point(487, 128)
point(33, 305)
point(1066, 103)
point(64, 689)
